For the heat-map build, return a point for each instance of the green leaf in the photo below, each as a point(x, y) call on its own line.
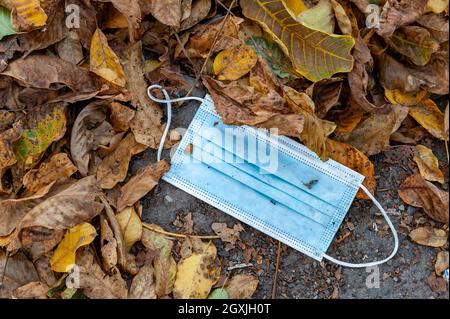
point(43, 131)
point(319, 17)
point(274, 56)
point(6, 27)
point(218, 293)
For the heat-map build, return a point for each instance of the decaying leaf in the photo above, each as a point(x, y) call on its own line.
point(229, 235)
point(431, 237)
point(64, 257)
point(428, 165)
point(108, 245)
point(328, 53)
point(242, 286)
point(417, 192)
point(140, 184)
point(232, 64)
point(143, 285)
point(427, 114)
point(26, 14)
point(194, 277)
point(167, 11)
point(19, 271)
point(130, 225)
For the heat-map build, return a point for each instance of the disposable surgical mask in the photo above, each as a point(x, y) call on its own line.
point(269, 182)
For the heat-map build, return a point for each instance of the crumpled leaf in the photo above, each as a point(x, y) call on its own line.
point(64, 256)
point(234, 63)
point(89, 132)
point(130, 226)
point(57, 168)
point(397, 13)
point(167, 11)
point(242, 286)
point(304, 46)
point(143, 285)
point(372, 135)
point(121, 116)
point(7, 156)
point(43, 131)
point(32, 290)
point(194, 276)
point(164, 265)
point(441, 262)
point(140, 184)
point(428, 236)
point(355, 160)
point(104, 62)
point(342, 18)
point(229, 235)
point(428, 165)
point(108, 245)
point(417, 192)
point(199, 11)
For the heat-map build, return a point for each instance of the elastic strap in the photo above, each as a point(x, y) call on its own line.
point(168, 101)
point(394, 233)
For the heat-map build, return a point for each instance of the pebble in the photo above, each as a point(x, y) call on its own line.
point(401, 207)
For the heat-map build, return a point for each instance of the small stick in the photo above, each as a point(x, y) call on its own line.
point(163, 232)
point(275, 277)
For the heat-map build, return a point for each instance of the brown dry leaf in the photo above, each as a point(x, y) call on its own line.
point(56, 168)
point(95, 283)
point(167, 11)
point(7, 157)
point(427, 114)
point(74, 205)
point(428, 236)
point(108, 245)
point(114, 167)
point(441, 262)
point(199, 10)
point(399, 13)
point(356, 160)
point(19, 271)
point(417, 192)
point(46, 275)
point(342, 18)
point(229, 235)
point(132, 11)
point(89, 132)
point(437, 284)
point(143, 285)
point(26, 14)
point(104, 62)
point(32, 290)
point(372, 135)
point(428, 165)
point(325, 94)
point(164, 265)
point(130, 226)
point(140, 184)
point(242, 286)
point(121, 116)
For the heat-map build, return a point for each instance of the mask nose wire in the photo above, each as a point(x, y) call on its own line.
point(168, 101)
point(394, 233)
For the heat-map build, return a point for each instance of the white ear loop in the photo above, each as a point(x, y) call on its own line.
point(168, 101)
point(394, 233)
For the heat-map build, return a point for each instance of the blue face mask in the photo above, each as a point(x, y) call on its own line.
point(269, 182)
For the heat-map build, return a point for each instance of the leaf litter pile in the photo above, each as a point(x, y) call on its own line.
point(347, 82)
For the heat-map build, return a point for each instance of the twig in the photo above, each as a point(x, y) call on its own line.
point(163, 232)
point(197, 79)
point(116, 229)
point(275, 276)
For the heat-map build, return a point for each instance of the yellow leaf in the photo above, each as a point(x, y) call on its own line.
point(76, 237)
point(427, 114)
point(130, 225)
point(295, 7)
point(104, 62)
point(232, 64)
point(428, 165)
point(315, 54)
point(194, 274)
point(437, 6)
point(405, 99)
point(26, 15)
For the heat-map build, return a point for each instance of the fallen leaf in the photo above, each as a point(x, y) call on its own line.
point(342, 18)
point(6, 27)
point(292, 36)
point(320, 17)
point(167, 11)
point(428, 165)
point(26, 14)
point(56, 168)
point(104, 62)
point(64, 256)
point(130, 225)
point(218, 293)
point(199, 10)
point(7, 156)
point(121, 116)
point(143, 285)
point(431, 237)
point(242, 286)
point(193, 279)
point(417, 192)
point(19, 271)
point(140, 184)
point(437, 6)
point(427, 114)
point(108, 245)
point(32, 290)
point(437, 284)
point(441, 262)
point(232, 64)
point(229, 235)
